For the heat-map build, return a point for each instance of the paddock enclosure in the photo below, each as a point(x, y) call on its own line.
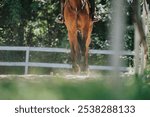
point(116, 52)
point(110, 79)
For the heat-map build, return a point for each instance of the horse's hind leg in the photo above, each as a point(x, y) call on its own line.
point(75, 52)
point(84, 44)
point(86, 50)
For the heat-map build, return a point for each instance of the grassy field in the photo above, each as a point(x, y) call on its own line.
point(58, 87)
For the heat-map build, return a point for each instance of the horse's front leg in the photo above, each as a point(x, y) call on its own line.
point(85, 48)
point(86, 66)
point(75, 52)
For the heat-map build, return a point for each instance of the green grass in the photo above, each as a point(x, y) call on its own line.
point(46, 87)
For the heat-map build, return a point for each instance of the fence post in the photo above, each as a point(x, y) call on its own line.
point(27, 60)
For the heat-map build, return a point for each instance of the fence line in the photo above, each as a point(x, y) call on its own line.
point(28, 64)
point(59, 50)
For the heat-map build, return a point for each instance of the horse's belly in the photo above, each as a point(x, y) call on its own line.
point(74, 22)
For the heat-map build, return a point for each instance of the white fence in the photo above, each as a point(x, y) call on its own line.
point(28, 64)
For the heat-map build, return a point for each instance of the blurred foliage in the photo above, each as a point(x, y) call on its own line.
point(57, 87)
point(31, 23)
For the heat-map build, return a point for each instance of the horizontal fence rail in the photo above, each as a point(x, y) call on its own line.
point(60, 50)
point(28, 64)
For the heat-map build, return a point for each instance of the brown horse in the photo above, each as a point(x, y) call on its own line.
point(79, 25)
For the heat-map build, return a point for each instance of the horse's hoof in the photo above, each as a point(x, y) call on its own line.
point(84, 68)
point(76, 69)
